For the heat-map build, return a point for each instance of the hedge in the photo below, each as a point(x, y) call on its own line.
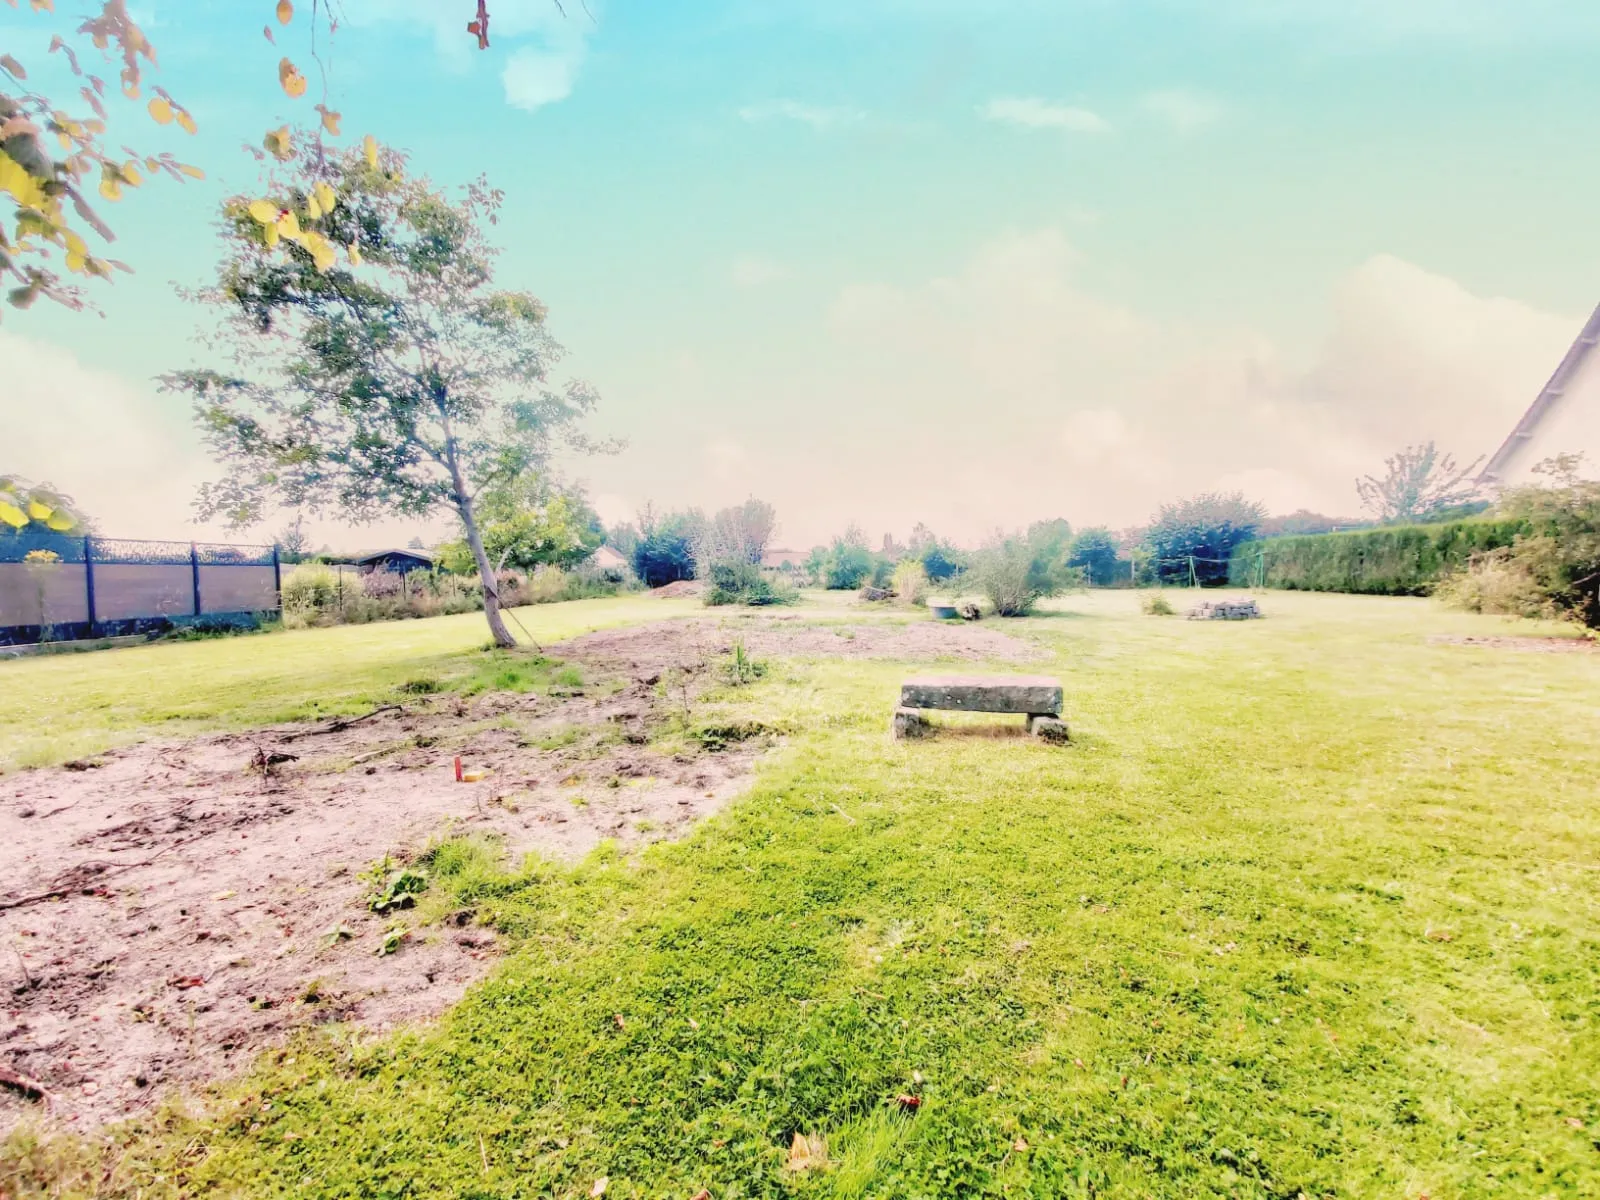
point(1398, 560)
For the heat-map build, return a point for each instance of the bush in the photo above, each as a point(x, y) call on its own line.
point(910, 582)
point(1014, 573)
point(1552, 567)
point(734, 581)
point(665, 551)
point(309, 590)
point(1394, 560)
point(848, 563)
point(1156, 604)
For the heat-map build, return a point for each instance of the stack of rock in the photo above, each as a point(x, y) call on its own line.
point(1225, 610)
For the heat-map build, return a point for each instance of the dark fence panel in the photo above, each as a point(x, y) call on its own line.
point(57, 588)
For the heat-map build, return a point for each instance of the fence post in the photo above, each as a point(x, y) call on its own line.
point(277, 576)
point(194, 571)
point(88, 580)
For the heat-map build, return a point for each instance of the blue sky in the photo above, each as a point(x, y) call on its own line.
point(971, 262)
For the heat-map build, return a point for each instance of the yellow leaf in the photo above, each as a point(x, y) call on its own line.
point(60, 522)
point(20, 183)
point(131, 176)
point(313, 207)
point(355, 254)
point(76, 262)
point(110, 188)
point(39, 511)
point(12, 515)
point(74, 243)
point(289, 76)
point(161, 109)
point(330, 121)
point(191, 172)
point(278, 144)
point(185, 121)
point(272, 236)
point(285, 12)
point(325, 195)
point(264, 211)
point(369, 147)
point(289, 225)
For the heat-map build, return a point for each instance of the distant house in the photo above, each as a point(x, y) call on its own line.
point(784, 560)
point(610, 561)
point(400, 562)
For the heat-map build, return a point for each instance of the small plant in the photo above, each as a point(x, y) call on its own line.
point(395, 888)
point(910, 583)
point(1156, 605)
point(393, 938)
point(421, 686)
point(741, 669)
point(339, 933)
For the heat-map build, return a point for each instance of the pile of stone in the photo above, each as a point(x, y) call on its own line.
point(1225, 610)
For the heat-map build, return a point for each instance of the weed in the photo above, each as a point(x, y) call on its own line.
point(1156, 604)
point(393, 938)
point(421, 686)
point(394, 888)
point(740, 669)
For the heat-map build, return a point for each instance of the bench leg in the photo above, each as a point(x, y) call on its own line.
point(1048, 728)
point(910, 723)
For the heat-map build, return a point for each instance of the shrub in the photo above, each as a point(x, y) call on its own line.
point(1014, 573)
point(1394, 560)
point(910, 582)
point(849, 562)
point(1156, 604)
point(1552, 568)
point(309, 590)
point(665, 551)
point(733, 581)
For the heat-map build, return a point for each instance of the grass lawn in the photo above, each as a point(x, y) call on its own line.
point(1310, 907)
point(69, 705)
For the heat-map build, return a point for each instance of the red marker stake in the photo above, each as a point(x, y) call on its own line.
point(458, 768)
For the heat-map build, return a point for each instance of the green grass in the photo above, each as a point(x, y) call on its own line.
point(1310, 906)
point(66, 706)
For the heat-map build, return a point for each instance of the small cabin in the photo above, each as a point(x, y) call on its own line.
point(397, 562)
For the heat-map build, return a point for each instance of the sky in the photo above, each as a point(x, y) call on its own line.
point(972, 263)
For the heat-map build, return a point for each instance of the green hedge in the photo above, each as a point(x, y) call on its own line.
point(1399, 560)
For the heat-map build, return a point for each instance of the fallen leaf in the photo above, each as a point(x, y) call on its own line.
point(808, 1152)
point(1078, 1062)
point(1574, 1122)
point(617, 1017)
point(599, 1188)
point(702, 1194)
point(908, 1102)
point(184, 982)
point(1020, 1145)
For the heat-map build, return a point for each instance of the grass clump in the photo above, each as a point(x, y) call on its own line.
point(1156, 604)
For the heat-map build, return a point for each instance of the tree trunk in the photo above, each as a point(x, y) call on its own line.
point(491, 584)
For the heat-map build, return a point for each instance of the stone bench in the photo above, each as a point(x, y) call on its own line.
point(1037, 697)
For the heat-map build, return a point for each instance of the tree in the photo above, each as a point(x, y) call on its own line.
point(408, 388)
point(43, 185)
point(293, 541)
point(1418, 482)
point(624, 539)
point(35, 509)
point(738, 534)
point(665, 553)
point(1015, 573)
point(1095, 552)
point(1190, 541)
point(849, 562)
point(1304, 521)
point(940, 560)
point(528, 524)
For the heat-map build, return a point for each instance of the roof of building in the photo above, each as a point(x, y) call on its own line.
point(608, 556)
point(367, 556)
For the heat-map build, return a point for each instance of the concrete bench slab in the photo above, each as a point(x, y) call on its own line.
point(1026, 695)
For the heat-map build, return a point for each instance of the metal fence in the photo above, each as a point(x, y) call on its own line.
point(55, 588)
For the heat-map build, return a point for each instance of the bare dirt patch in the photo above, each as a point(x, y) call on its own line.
point(170, 909)
point(1536, 645)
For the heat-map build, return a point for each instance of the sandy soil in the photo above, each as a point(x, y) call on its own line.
point(1537, 645)
point(167, 908)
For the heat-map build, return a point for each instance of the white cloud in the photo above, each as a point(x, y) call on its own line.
point(544, 49)
point(818, 117)
point(1183, 110)
point(102, 440)
point(1070, 403)
point(754, 270)
point(1034, 113)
